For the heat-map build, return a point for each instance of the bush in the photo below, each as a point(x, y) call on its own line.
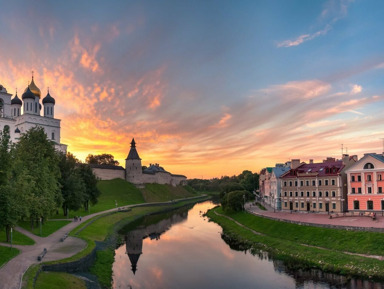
point(234, 201)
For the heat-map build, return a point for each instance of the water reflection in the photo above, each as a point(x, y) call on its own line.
point(183, 250)
point(149, 229)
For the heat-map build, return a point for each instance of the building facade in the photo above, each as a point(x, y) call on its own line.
point(316, 187)
point(275, 184)
point(20, 115)
point(366, 184)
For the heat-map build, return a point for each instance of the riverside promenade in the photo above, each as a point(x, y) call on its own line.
point(356, 222)
point(11, 273)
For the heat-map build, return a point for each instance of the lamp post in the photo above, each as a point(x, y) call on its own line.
point(11, 236)
point(40, 226)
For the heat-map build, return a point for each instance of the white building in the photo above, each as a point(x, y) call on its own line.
point(20, 115)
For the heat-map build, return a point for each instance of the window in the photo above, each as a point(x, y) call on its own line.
point(302, 194)
point(313, 183)
point(295, 183)
point(290, 194)
point(326, 182)
point(285, 194)
point(301, 183)
point(314, 205)
point(320, 194)
point(359, 190)
point(296, 204)
point(290, 183)
point(333, 182)
point(356, 205)
point(320, 205)
point(307, 194)
point(307, 183)
point(368, 166)
point(352, 178)
point(295, 194)
point(302, 205)
point(285, 204)
point(319, 182)
point(359, 178)
point(369, 178)
point(326, 194)
point(1, 108)
point(353, 191)
point(380, 190)
point(369, 190)
point(313, 194)
point(382, 204)
point(333, 194)
point(333, 206)
point(370, 205)
point(379, 177)
point(53, 135)
point(285, 184)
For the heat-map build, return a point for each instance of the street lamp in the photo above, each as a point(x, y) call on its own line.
point(40, 226)
point(11, 237)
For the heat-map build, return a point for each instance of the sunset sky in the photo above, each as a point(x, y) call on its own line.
point(206, 88)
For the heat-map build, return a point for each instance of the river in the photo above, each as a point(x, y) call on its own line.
point(182, 249)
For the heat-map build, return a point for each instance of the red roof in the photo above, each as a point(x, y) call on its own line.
point(330, 168)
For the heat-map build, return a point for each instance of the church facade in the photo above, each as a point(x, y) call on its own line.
point(20, 115)
point(133, 172)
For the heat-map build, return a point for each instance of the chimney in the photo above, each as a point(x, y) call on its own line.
point(295, 163)
point(311, 161)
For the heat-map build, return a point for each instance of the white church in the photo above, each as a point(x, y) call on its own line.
point(20, 115)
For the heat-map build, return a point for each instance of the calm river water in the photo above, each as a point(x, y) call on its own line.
point(181, 249)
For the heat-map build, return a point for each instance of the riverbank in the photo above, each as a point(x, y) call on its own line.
point(306, 247)
point(100, 234)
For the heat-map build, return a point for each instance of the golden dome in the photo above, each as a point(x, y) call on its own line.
point(32, 86)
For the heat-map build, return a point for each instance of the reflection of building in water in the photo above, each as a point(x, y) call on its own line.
point(134, 239)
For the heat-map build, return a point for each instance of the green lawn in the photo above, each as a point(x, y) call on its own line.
point(7, 254)
point(17, 238)
point(162, 193)
point(285, 241)
point(56, 280)
point(47, 228)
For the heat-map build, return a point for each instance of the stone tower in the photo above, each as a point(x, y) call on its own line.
point(133, 170)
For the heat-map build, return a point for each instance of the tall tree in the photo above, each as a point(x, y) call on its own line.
point(103, 159)
point(90, 181)
point(36, 168)
point(72, 185)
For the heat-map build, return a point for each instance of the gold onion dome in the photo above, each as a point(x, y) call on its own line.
point(35, 90)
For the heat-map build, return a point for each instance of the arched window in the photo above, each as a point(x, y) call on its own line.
point(1, 107)
point(368, 166)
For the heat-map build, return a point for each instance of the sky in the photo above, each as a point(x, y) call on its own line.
point(207, 88)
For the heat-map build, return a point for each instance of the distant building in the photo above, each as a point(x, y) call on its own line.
point(316, 187)
point(275, 184)
point(20, 115)
point(134, 173)
point(366, 184)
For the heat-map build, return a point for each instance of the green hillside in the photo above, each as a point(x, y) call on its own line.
point(161, 193)
point(119, 191)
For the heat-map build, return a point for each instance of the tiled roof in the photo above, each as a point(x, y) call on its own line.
point(379, 157)
point(316, 169)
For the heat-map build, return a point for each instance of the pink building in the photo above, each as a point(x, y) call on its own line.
point(366, 184)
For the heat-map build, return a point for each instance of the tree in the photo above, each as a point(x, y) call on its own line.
point(72, 185)
point(103, 159)
point(234, 201)
point(36, 173)
point(90, 181)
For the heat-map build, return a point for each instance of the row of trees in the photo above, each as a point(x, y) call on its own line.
point(234, 191)
point(36, 180)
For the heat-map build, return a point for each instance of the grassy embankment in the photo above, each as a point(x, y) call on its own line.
point(105, 227)
point(308, 247)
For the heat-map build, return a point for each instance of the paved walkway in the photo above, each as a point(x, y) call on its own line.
point(12, 272)
point(320, 219)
